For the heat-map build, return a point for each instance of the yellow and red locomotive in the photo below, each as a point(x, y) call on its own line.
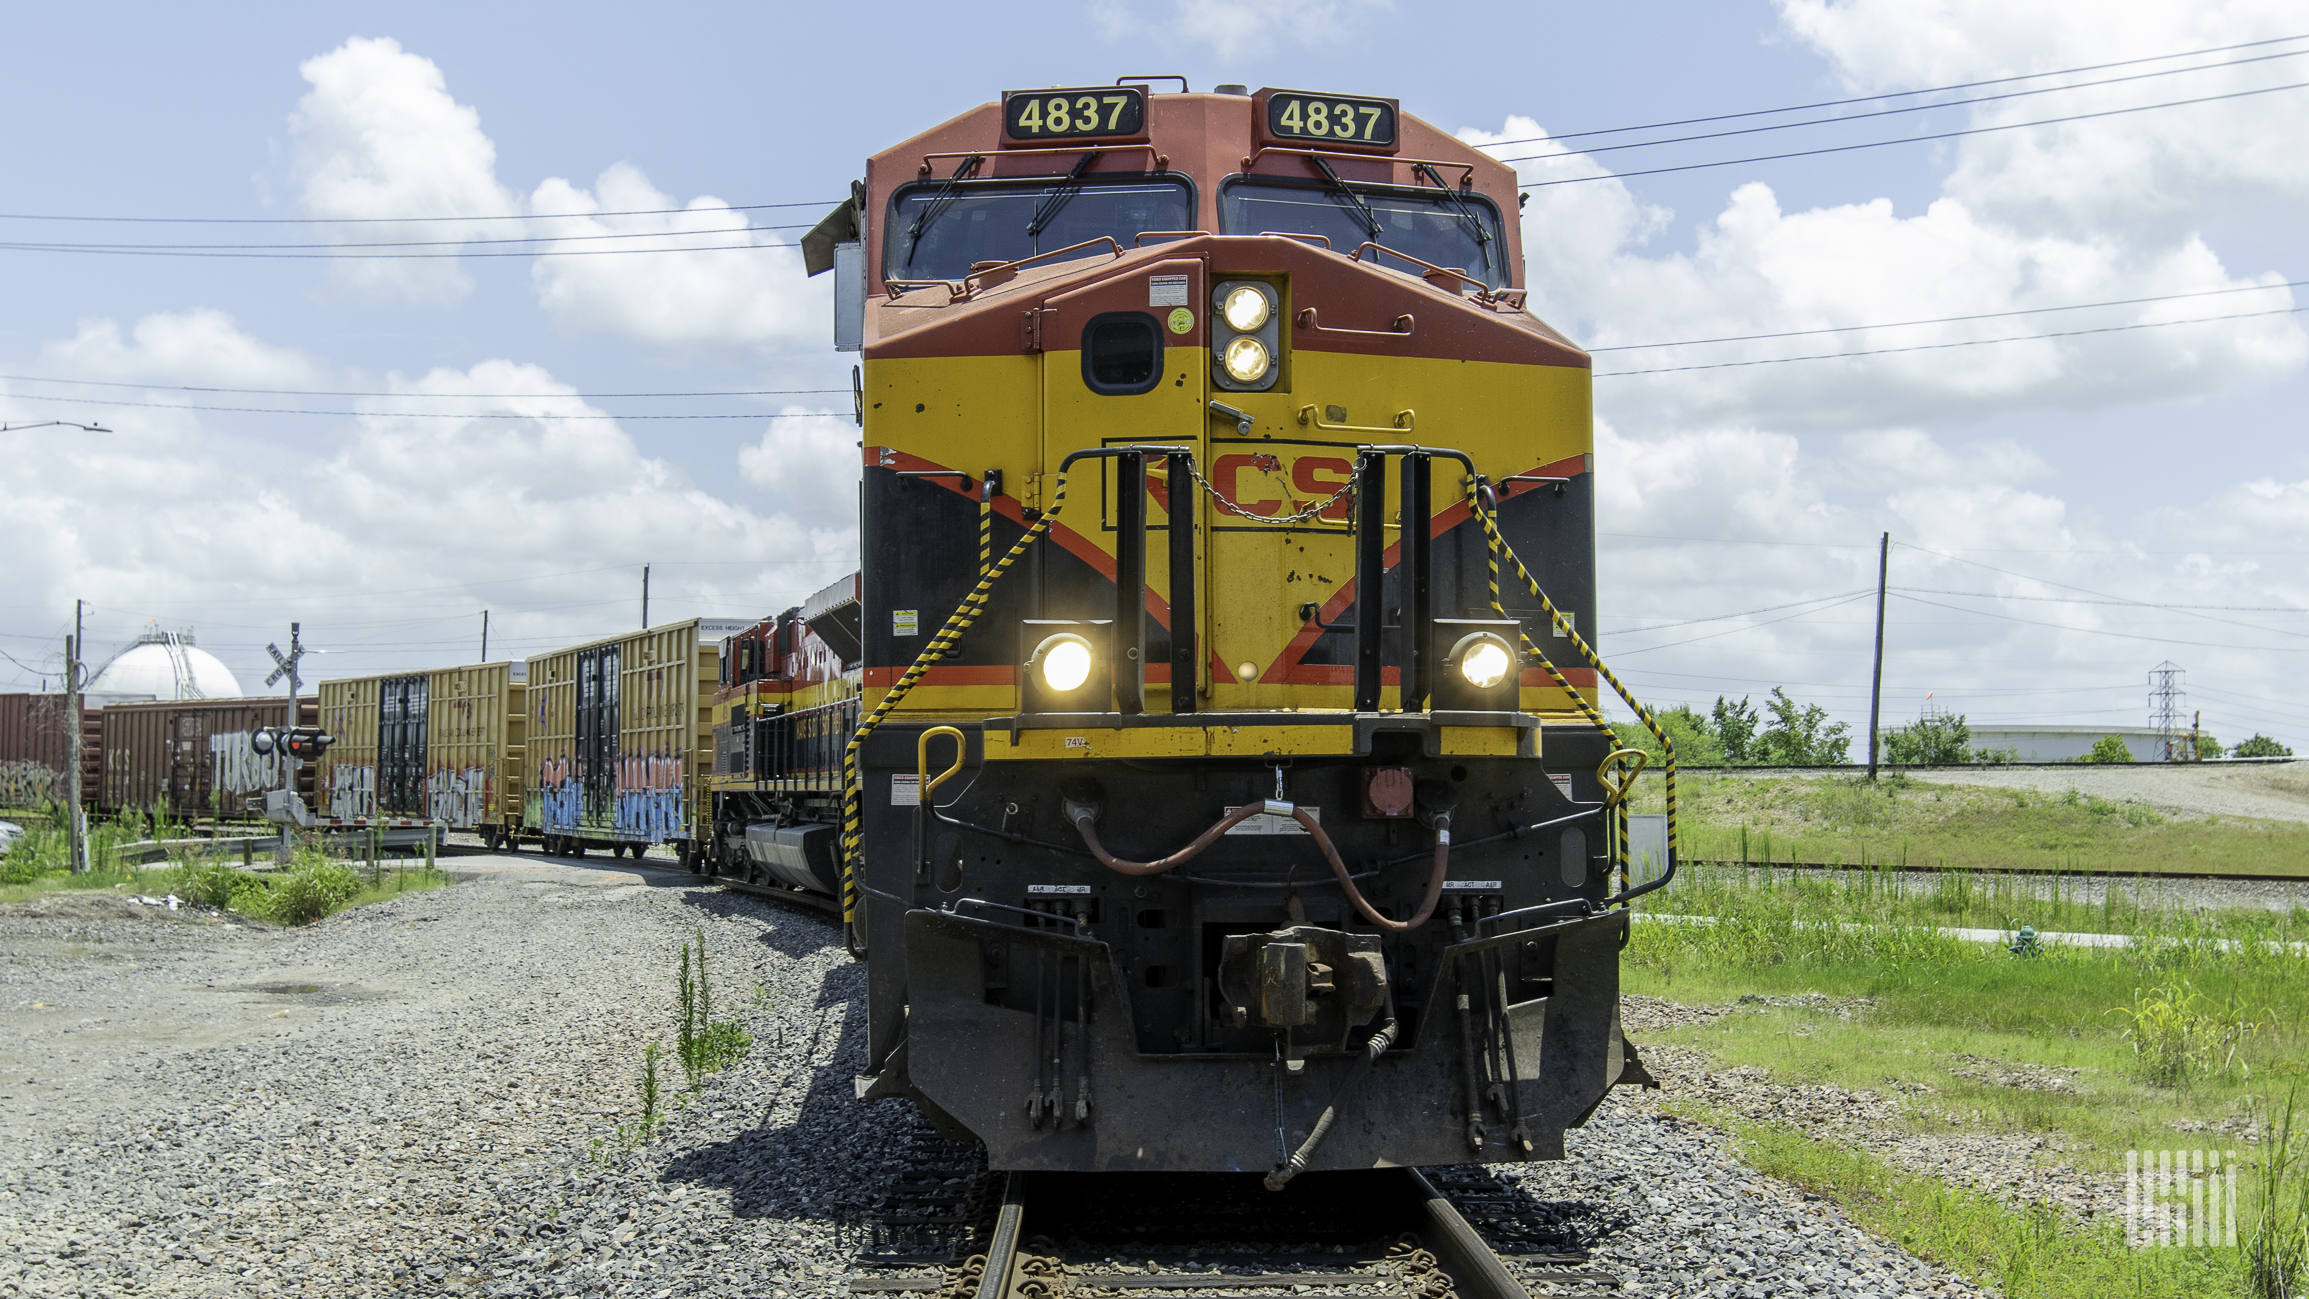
point(1208, 751)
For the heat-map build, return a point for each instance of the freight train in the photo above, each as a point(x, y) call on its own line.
point(1208, 751)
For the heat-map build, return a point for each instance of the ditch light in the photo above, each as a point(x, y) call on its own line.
point(1065, 667)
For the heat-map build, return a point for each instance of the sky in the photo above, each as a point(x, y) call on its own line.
point(2099, 468)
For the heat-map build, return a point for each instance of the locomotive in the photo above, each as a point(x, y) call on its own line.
point(1207, 754)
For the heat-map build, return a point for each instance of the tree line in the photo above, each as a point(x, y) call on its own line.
point(1785, 733)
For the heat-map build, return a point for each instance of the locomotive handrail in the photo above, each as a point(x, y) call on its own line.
point(983, 276)
point(1402, 328)
point(1616, 794)
point(1484, 293)
point(922, 760)
point(1139, 240)
point(1324, 240)
point(1497, 545)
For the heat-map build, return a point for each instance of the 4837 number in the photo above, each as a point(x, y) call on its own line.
point(1090, 114)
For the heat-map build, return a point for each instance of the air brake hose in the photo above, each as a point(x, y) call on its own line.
point(1372, 1050)
point(1085, 815)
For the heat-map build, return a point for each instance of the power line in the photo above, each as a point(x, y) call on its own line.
point(2103, 631)
point(471, 396)
point(1879, 144)
point(1950, 320)
point(413, 414)
point(2070, 599)
point(333, 256)
point(400, 243)
point(1899, 94)
point(1750, 627)
point(1663, 626)
point(2067, 586)
point(397, 220)
point(1970, 342)
point(1926, 108)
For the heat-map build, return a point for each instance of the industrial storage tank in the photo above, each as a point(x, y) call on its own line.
point(620, 739)
point(443, 745)
point(194, 758)
point(163, 665)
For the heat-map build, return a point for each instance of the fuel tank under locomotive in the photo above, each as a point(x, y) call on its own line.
point(1074, 1017)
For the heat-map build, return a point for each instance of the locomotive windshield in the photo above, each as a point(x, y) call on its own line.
point(939, 228)
point(1442, 227)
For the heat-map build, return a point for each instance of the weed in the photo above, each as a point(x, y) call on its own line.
point(2276, 1254)
point(209, 884)
point(702, 1045)
point(2177, 1033)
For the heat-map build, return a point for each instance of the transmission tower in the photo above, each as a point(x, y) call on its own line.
point(2166, 710)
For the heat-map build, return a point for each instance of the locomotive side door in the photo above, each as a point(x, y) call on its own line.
point(1124, 362)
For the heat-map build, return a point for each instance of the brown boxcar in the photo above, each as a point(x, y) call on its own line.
point(441, 745)
point(620, 739)
point(193, 757)
point(33, 749)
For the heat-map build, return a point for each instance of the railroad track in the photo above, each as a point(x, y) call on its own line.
point(946, 1232)
point(814, 901)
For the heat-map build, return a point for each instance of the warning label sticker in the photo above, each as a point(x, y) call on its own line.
point(1166, 290)
point(906, 789)
point(1265, 824)
point(905, 622)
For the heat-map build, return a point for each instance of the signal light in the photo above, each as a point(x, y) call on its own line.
point(263, 741)
point(1246, 337)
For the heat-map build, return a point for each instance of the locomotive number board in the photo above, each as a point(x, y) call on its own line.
point(1335, 121)
point(1096, 112)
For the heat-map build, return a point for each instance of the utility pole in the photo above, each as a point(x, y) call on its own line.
point(76, 831)
point(645, 597)
point(1876, 686)
point(484, 636)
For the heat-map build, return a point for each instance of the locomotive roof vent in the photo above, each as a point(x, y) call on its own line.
point(1231, 88)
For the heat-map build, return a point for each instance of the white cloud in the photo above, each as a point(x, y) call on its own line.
point(810, 466)
point(379, 136)
point(1756, 269)
point(201, 344)
point(1233, 28)
point(754, 295)
point(386, 532)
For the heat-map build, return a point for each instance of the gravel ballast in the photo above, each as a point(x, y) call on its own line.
point(423, 1097)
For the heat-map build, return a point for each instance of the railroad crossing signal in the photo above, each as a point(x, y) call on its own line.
point(287, 663)
point(303, 742)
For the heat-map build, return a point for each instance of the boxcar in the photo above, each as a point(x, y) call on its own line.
point(620, 740)
point(33, 749)
point(192, 758)
point(444, 745)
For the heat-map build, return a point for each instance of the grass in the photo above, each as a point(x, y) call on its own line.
point(2034, 1251)
point(1845, 820)
point(2176, 1042)
point(313, 887)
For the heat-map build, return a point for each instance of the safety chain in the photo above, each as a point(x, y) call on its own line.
point(1346, 491)
point(1497, 545)
point(949, 637)
point(1417, 1269)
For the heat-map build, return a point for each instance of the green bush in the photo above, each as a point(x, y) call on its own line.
point(209, 884)
point(2260, 746)
point(2108, 748)
point(1937, 740)
point(311, 891)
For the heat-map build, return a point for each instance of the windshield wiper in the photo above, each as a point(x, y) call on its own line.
point(1056, 201)
point(1465, 209)
point(937, 206)
point(1354, 200)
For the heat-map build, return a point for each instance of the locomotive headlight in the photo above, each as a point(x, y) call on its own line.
point(1480, 671)
point(1064, 667)
point(1246, 359)
point(1246, 335)
point(1064, 661)
point(1485, 664)
point(1245, 309)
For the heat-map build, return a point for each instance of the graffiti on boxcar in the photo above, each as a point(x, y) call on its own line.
point(459, 797)
point(556, 797)
point(29, 784)
point(236, 769)
point(352, 791)
point(650, 797)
